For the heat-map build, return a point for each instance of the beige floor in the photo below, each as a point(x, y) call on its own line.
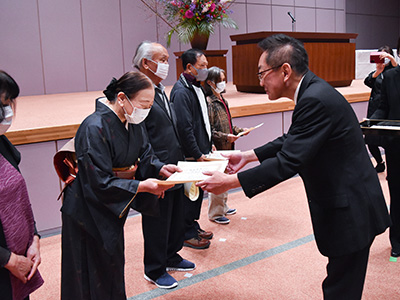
point(266, 252)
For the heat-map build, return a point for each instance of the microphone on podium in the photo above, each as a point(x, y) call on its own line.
point(291, 16)
point(293, 19)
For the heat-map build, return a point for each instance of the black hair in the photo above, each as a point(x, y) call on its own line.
point(386, 49)
point(398, 47)
point(130, 84)
point(190, 57)
point(281, 49)
point(9, 89)
point(214, 75)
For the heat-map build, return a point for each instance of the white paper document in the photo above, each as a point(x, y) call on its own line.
point(218, 155)
point(250, 129)
point(193, 171)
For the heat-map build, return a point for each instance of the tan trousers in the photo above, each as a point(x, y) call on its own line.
point(217, 206)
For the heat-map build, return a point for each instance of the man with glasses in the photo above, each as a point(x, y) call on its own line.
point(324, 145)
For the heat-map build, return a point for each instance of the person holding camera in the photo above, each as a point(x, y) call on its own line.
point(374, 81)
point(389, 109)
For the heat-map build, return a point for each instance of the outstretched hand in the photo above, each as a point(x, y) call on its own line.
point(218, 182)
point(168, 170)
point(236, 162)
point(153, 186)
point(232, 138)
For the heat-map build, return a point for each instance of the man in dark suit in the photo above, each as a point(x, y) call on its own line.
point(324, 145)
point(194, 128)
point(389, 108)
point(163, 234)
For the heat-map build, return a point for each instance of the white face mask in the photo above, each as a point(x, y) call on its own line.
point(6, 123)
point(138, 115)
point(387, 61)
point(162, 70)
point(220, 87)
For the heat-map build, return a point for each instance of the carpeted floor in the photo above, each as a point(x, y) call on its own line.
point(266, 252)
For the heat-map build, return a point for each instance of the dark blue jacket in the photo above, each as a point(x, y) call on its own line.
point(192, 130)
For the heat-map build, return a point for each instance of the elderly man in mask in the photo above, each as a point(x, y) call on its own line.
point(164, 233)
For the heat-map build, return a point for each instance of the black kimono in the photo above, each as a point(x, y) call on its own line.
point(96, 205)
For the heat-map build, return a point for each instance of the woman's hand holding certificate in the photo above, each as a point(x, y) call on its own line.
point(245, 132)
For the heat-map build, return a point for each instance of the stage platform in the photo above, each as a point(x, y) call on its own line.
point(43, 124)
point(52, 117)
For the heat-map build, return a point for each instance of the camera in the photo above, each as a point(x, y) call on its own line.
point(374, 58)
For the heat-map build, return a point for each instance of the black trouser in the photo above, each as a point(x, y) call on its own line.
point(393, 178)
point(192, 214)
point(163, 235)
point(346, 276)
point(376, 153)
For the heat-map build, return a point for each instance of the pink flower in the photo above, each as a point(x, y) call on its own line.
point(212, 7)
point(189, 14)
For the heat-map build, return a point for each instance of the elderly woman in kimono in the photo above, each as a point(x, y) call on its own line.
point(19, 240)
point(108, 144)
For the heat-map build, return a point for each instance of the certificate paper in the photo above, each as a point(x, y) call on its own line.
point(250, 129)
point(218, 154)
point(193, 171)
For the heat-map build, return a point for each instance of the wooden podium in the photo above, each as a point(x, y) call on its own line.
point(331, 57)
point(214, 57)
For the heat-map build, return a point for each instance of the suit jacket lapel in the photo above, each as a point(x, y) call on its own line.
point(161, 102)
point(172, 117)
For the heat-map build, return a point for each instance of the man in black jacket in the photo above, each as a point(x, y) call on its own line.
point(324, 145)
point(163, 234)
point(389, 108)
point(195, 132)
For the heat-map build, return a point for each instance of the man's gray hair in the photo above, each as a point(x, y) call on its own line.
point(144, 50)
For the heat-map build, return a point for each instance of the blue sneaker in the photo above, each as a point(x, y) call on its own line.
point(221, 220)
point(184, 265)
point(165, 281)
point(231, 211)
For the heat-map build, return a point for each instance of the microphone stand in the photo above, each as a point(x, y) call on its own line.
point(293, 20)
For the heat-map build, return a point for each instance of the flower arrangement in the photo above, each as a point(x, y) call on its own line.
point(191, 17)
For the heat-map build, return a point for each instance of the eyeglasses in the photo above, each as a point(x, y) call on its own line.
point(260, 74)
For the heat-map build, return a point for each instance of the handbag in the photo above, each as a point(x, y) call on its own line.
point(66, 166)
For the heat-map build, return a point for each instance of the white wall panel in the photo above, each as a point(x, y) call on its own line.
point(20, 52)
point(43, 184)
point(102, 36)
point(62, 42)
